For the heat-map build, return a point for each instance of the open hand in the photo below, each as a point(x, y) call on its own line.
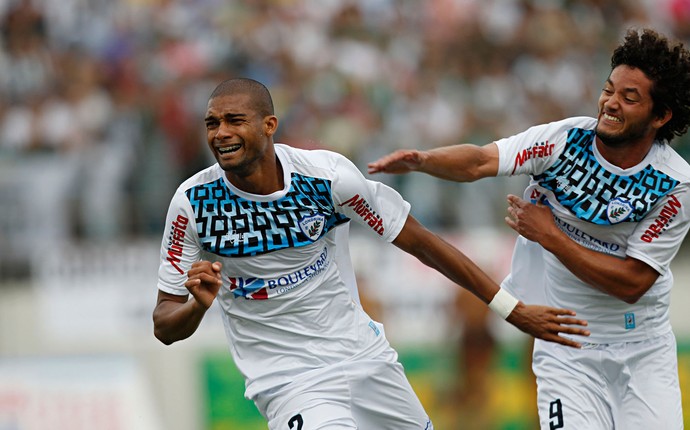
point(400, 161)
point(548, 323)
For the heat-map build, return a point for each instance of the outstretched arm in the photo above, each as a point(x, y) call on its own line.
point(539, 321)
point(460, 163)
point(624, 278)
point(177, 317)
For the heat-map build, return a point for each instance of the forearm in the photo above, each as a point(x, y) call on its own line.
point(438, 254)
point(460, 163)
point(624, 278)
point(173, 320)
point(539, 321)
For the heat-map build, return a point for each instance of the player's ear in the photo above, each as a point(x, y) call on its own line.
point(661, 120)
point(270, 125)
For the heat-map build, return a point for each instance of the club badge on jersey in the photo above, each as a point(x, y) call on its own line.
point(312, 225)
point(618, 210)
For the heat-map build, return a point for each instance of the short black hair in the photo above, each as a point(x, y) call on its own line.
point(667, 65)
point(261, 97)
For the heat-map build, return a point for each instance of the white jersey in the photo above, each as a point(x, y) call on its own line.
point(641, 212)
point(288, 298)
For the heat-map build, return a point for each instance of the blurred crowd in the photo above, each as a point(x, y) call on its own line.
point(102, 101)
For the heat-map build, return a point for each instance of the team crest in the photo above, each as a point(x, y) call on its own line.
point(618, 210)
point(312, 226)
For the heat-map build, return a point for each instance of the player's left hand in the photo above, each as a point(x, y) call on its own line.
point(548, 323)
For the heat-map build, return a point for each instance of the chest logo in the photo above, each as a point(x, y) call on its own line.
point(618, 210)
point(249, 288)
point(312, 225)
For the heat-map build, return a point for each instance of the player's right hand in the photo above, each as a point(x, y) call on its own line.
point(204, 281)
point(548, 323)
point(400, 161)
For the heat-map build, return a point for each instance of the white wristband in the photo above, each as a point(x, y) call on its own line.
point(503, 303)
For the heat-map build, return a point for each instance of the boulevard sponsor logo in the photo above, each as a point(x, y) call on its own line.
point(261, 289)
point(618, 210)
point(249, 288)
point(176, 242)
point(585, 239)
point(312, 226)
point(285, 283)
point(362, 208)
point(662, 221)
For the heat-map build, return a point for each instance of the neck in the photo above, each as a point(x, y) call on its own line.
point(265, 179)
point(624, 156)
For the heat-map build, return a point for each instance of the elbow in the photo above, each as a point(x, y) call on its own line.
point(158, 333)
point(635, 294)
point(163, 335)
point(163, 338)
point(160, 327)
point(631, 300)
point(640, 279)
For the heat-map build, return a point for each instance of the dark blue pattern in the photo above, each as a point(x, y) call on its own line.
point(585, 187)
point(230, 225)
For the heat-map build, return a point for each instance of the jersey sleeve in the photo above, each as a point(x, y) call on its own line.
point(376, 206)
point(535, 149)
point(658, 237)
point(179, 247)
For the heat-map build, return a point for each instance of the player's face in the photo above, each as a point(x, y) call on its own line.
point(625, 108)
point(238, 136)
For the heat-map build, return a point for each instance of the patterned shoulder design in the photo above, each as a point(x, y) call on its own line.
point(233, 226)
point(592, 193)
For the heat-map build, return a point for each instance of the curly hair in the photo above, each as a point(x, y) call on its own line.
point(667, 65)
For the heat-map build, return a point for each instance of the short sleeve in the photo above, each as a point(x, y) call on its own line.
point(537, 148)
point(658, 237)
point(376, 206)
point(179, 247)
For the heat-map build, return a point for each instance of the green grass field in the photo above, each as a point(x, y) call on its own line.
point(508, 405)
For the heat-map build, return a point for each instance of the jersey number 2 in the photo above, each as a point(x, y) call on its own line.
point(297, 419)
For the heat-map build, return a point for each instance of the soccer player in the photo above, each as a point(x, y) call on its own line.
point(604, 214)
point(263, 231)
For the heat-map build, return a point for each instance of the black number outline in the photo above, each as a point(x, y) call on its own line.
point(556, 411)
point(298, 420)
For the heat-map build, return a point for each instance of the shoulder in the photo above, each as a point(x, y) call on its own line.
point(586, 122)
point(208, 175)
point(568, 124)
point(556, 129)
point(670, 160)
point(312, 162)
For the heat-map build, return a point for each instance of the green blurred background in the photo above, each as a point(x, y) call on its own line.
point(509, 405)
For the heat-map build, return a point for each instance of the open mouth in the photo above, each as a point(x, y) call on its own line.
point(611, 118)
point(229, 149)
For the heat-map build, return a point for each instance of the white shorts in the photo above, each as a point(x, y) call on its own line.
point(365, 395)
point(629, 385)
